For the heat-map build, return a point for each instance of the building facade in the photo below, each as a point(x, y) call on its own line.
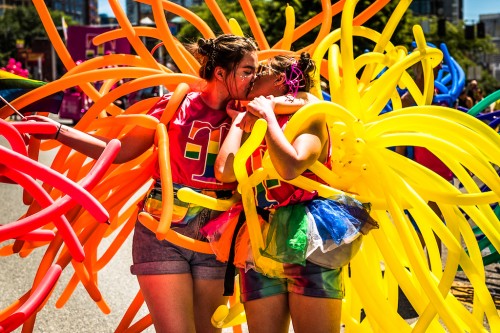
point(84, 12)
point(492, 28)
point(451, 10)
point(137, 12)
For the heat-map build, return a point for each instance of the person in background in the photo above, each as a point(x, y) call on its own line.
point(464, 100)
point(182, 288)
point(472, 91)
point(479, 95)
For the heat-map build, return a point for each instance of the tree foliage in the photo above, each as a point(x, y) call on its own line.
point(22, 22)
point(271, 16)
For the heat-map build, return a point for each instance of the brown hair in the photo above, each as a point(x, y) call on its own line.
point(225, 51)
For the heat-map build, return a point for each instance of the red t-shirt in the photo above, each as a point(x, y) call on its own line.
point(272, 193)
point(195, 133)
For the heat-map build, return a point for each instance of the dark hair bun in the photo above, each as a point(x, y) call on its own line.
point(306, 63)
point(206, 46)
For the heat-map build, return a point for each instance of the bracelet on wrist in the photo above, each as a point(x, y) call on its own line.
point(58, 131)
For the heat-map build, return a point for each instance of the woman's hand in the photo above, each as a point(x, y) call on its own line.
point(45, 120)
point(262, 107)
point(246, 122)
point(234, 108)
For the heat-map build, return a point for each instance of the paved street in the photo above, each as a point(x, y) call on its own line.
point(79, 314)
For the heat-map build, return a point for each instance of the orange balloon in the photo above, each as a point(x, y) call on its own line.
point(134, 40)
point(189, 243)
point(174, 102)
point(169, 40)
point(131, 312)
point(258, 34)
point(184, 12)
point(219, 16)
point(166, 181)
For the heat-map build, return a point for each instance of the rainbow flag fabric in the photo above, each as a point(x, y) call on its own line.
point(13, 86)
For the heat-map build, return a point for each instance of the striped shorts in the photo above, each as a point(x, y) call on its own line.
point(310, 280)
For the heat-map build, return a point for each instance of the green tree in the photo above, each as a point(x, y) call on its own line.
point(271, 16)
point(22, 22)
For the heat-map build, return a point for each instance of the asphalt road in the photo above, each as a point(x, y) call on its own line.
point(80, 314)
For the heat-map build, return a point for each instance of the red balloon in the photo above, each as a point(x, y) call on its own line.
point(36, 298)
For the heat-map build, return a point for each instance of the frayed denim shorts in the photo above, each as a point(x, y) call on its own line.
point(153, 257)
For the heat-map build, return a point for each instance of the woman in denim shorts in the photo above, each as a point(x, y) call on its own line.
point(182, 288)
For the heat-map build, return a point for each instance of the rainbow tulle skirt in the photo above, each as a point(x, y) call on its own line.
point(327, 232)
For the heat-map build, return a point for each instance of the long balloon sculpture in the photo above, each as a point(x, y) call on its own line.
point(70, 217)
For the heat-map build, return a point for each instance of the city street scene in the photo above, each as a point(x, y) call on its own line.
point(249, 166)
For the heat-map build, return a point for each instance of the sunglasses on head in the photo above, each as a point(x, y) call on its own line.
point(265, 69)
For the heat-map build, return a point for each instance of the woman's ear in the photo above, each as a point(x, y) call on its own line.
point(219, 73)
point(280, 80)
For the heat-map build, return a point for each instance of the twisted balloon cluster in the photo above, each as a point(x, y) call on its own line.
point(66, 216)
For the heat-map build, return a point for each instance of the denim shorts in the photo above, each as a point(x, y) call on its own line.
point(152, 256)
point(310, 280)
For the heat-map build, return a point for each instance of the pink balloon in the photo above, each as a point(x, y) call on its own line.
point(34, 127)
point(12, 135)
point(53, 211)
point(17, 229)
point(39, 235)
point(47, 175)
point(12, 131)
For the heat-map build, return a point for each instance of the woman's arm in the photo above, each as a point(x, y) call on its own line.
point(224, 170)
point(288, 104)
point(290, 159)
point(133, 144)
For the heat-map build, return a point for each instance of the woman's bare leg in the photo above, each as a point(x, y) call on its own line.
point(207, 298)
point(321, 313)
point(169, 298)
point(268, 315)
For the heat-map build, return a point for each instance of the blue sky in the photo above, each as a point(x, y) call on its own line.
point(105, 8)
point(472, 8)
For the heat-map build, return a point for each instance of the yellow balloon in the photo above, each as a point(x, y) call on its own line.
point(235, 27)
point(188, 195)
point(289, 27)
